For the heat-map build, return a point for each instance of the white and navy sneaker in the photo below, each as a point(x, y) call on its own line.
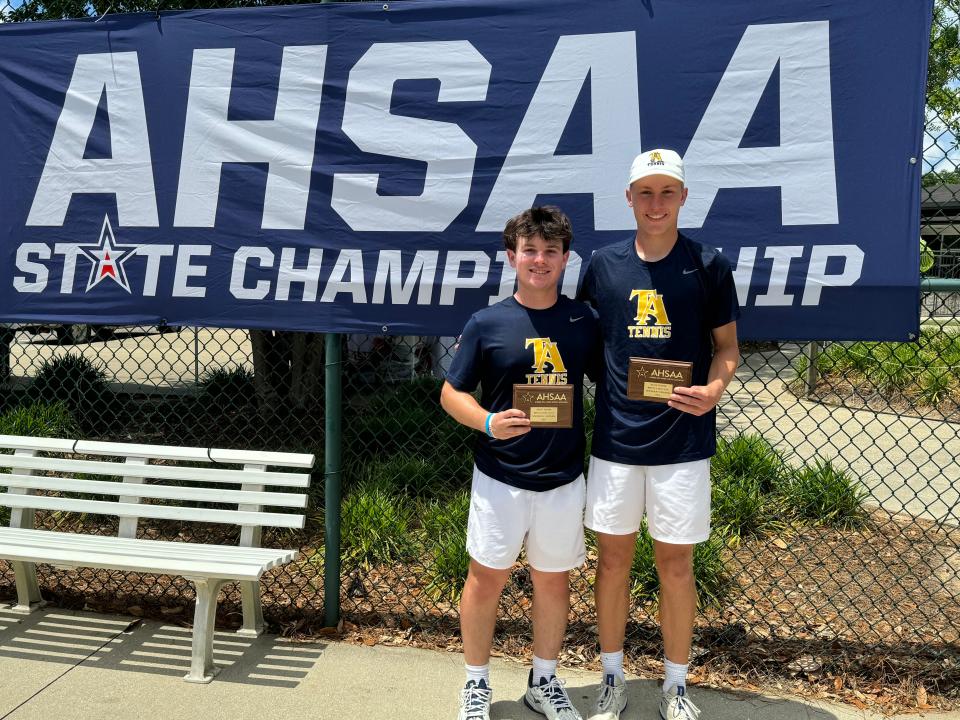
point(611, 700)
point(550, 698)
point(675, 705)
point(475, 701)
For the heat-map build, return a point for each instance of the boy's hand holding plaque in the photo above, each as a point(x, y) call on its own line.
point(653, 379)
point(547, 406)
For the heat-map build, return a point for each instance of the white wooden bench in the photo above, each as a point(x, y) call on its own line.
point(208, 567)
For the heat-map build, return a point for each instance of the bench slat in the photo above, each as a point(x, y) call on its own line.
point(138, 546)
point(164, 492)
point(159, 452)
point(208, 561)
point(166, 512)
point(161, 472)
point(19, 442)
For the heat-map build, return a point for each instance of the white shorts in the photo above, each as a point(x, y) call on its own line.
point(676, 499)
point(503, 518)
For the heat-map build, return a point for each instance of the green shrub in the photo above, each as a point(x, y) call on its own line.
point(751, 458)
point(825, 495)
point(406, 418)
point(444, 528)
point(375, 527)
point(81, 385)
point(387, 432)
point(644, 583)
point(938, 384)
point(452, 438)
point(422, 428)
point(418, 476)
point(227, 388)
point(926, 369)
point(740, 508)
point(423, 390)
point(71, 379)
point(39, 420)
point(710, 572)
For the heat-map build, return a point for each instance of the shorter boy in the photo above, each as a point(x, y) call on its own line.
point(528, 486)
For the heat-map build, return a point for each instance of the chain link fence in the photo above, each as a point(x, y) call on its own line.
point(835, 556)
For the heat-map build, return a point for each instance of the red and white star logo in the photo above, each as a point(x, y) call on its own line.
point(108, 258)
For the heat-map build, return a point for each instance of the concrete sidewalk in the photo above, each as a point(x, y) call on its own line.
point(65, 665)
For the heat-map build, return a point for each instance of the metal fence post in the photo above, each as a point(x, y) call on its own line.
point(331, 459)
point(813, 352)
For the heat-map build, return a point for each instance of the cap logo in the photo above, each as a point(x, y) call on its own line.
point(655, 159)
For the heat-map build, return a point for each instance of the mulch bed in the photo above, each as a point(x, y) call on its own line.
point(868, 617)
point(861, 394)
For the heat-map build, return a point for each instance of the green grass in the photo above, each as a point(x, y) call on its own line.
point(823, 495)
point(39, 420)
point(375, 527)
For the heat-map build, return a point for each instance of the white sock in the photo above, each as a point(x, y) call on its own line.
point(478, 673)
point(543, 669)
point(676, 675)
point(612, 664)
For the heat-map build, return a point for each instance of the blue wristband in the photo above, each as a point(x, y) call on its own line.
point(487, 424)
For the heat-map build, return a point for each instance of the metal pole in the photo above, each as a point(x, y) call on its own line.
point(331, 460)
point(813, 352)
point(196, 356)
point(940, 284)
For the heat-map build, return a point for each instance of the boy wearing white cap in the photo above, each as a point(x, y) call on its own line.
point(661, 296)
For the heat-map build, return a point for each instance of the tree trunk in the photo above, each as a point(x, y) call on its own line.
point(287, 367)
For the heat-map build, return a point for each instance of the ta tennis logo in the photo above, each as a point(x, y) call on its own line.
point(546, 352)
point(651, 318)
point(655, 159)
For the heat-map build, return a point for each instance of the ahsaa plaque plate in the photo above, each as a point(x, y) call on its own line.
point(653, 379)
point(547, 406)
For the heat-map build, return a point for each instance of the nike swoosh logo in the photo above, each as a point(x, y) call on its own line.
point(575, 319)
point(687, 272)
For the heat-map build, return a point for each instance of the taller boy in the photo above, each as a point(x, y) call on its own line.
point(659, 295)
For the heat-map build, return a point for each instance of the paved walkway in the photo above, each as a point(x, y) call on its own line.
point(80, 666)
point(908, 464)
point(144, 356)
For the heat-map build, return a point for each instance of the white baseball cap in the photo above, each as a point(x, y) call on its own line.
point(656, 162)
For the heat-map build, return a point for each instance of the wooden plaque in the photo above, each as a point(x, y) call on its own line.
point(653, 379)
point(547, 406)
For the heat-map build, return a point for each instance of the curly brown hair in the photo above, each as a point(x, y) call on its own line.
point(548, 221)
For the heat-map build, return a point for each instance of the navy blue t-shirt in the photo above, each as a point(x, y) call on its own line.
point(664, 309)
point(508, 343)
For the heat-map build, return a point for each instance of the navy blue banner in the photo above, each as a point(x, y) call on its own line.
point(350, 167)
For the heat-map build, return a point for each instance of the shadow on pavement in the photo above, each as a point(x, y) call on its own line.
point(119, 643)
